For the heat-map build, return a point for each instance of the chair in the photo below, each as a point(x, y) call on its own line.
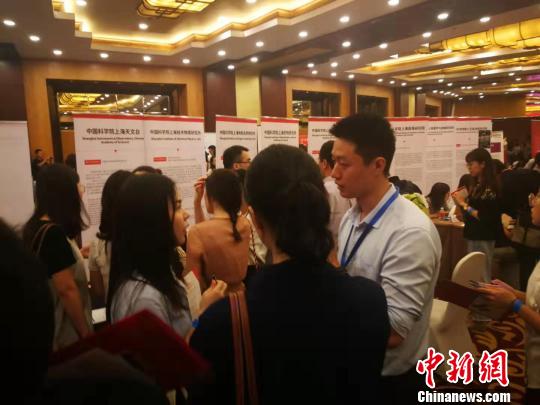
point(448, 322)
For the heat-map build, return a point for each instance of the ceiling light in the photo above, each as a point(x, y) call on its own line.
point(34, 38)
point(314, 72)
point(346, 44)
point(303, 34)
point(384, 45)
point(285, 71)
point(81, 3)
point(469, 87)
point(419, 88)
point(221, 52)
point(442, 16)
point(434, 91)
point(259, 44)
point(485, 19)
point(463, 87)
point(106, 95)
point(230, 67)
point(143, 26)
point(165, 109)
point(475, 77)
point(441, 92)
point(440, 80)
point(392, 81)
point(147, 58)
point(425, 45)
point(446, 93)
point(344, 19)
point(310, 65)
point(505, 92)
point(494, 83)
point(461, 98)
point(186, 61)
point(356, 56)
point(403, 84)
point(511, 74)
point(103, 55)
point(481, 96)
point(380, 80)
point(426, 34)
point(449, 84)
point(251, 1)
point(393, 2)
point(57, 52)
point(518, 79)
point(394, 56)
point(334, 64)
point(333, 74)
point(351, 76)
point(254, 59)
point(9, 23)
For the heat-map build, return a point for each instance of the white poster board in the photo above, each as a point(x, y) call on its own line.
point(440, 153)
point(409, 158)
point(16, 198)
point(104, 144)
point(318, 133)
point(232, 131)
point(176, 146)
point(279, 131)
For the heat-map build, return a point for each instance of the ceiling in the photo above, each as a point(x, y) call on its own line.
point(84, 31)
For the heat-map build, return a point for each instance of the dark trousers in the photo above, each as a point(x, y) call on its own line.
point(527, 258)
point(402, 389)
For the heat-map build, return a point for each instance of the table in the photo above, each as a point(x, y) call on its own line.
point(454, 246)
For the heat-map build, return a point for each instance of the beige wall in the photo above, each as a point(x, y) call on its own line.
point(377, 91)
point(36, 72)
point(511, 105)
point(327, 86)
point(248, 95)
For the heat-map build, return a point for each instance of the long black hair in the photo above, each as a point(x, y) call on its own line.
point(284, 187)
point(57, 196)
point(437, 196)
point(109, 195)
point(224, 187)
point(488, 179)
point(143, 240)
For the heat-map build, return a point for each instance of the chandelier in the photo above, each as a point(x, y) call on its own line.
point(171, 8)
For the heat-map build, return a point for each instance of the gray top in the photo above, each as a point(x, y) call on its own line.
point(136, 295)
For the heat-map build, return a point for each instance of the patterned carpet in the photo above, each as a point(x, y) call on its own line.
point(510, 336)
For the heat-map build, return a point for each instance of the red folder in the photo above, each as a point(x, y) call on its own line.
point(151, 344)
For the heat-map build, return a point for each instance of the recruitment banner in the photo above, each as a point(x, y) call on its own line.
point(318, 133)
point(104, 144)
point(467, 139)
point(497, 145)
point(16, 198)
point(279, 131)
point(409, 159)
point(232, 131)
point(440, 153)
point(176, 146)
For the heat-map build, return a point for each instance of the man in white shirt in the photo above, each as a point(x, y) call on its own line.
point(386, 238)
point(338, 205)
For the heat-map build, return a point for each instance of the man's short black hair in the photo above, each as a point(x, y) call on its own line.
point(233, 155)
point(326, 153)
point(371, 134)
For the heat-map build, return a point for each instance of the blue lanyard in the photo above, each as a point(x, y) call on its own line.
point(369, 226)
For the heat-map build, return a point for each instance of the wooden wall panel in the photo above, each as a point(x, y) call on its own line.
point(511, 105)
point(322, 85)
point(36, 72)
point(273, 95)
point(219, 96)
point(378, 91)
point(12, 106)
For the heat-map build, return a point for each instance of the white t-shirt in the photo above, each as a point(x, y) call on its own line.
point(338, 206)
point(532, 344)
point(99, 259)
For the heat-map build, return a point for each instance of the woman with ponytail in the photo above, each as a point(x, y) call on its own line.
point(219, 247)
point(318, 336)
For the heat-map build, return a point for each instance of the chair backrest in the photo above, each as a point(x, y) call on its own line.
point(470, 267)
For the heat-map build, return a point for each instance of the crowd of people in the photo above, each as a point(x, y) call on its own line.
point(336, 260)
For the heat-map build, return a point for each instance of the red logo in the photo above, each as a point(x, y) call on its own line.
point(160, 159)
point(428, 366)
point(494, 367)
point(92, 162)
point(460, 367)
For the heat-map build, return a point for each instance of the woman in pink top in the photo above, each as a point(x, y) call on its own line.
point(219, 247)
